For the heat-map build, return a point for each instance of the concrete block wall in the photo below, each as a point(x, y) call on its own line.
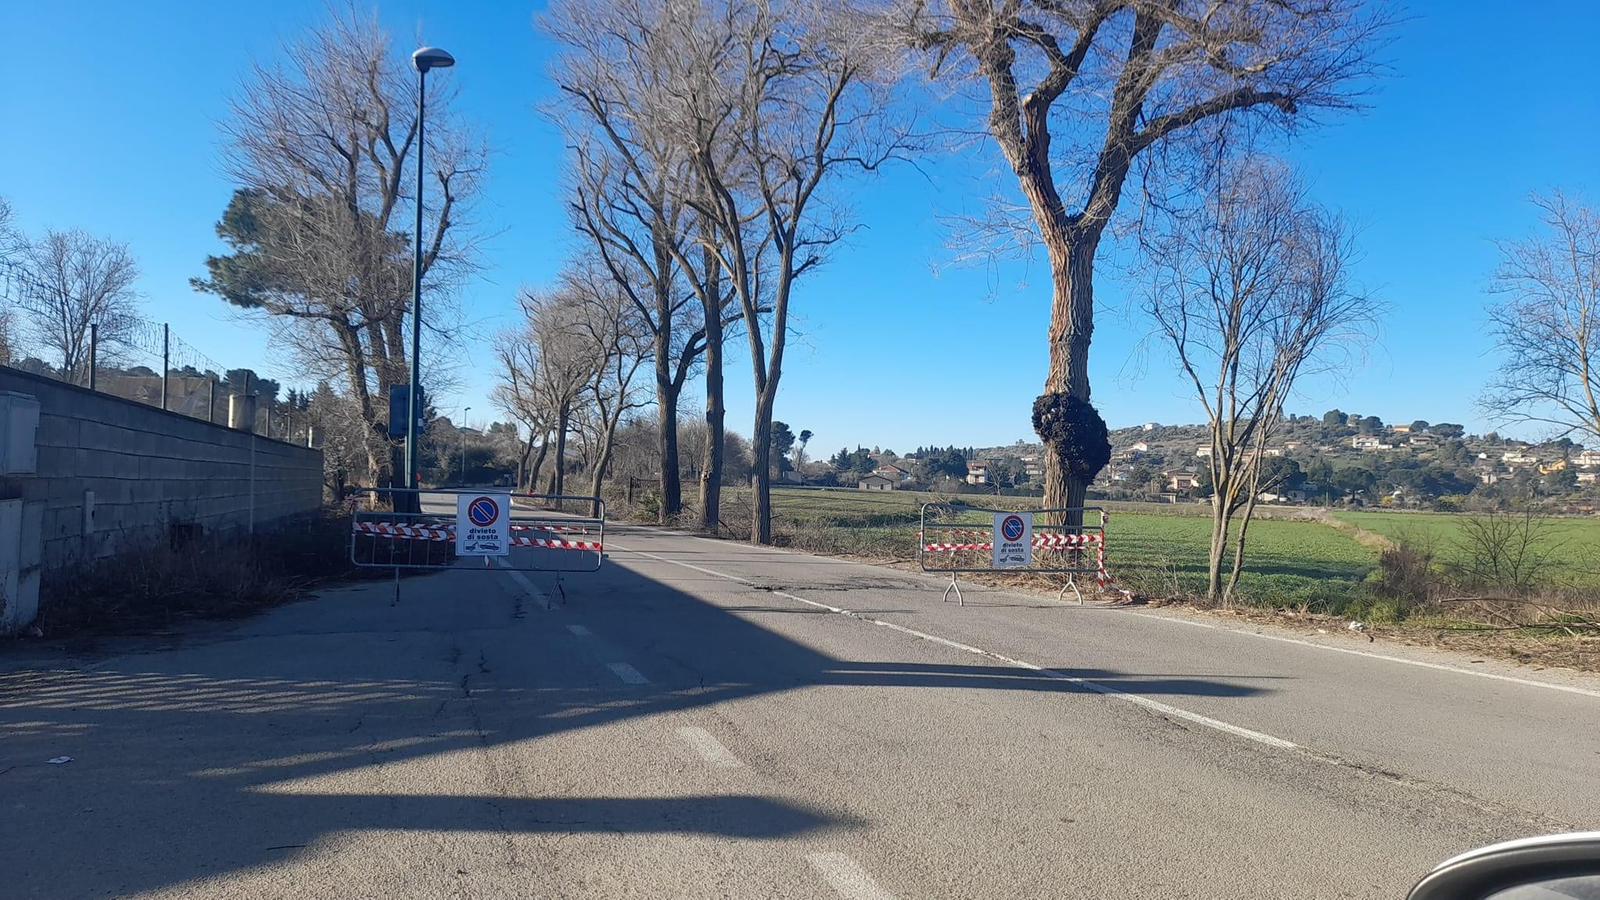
point(113, 473)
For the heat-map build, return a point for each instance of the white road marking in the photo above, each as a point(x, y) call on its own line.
point(709, 748)
point(846, 877)
point(579, 630)
point(1423, 664)
point(1156, 706)
point(627, 673)
point(1493, 676)
point(524, 582)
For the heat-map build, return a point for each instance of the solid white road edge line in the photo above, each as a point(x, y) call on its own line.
point(846, 877)
point(1157, 706)
point(627, 673)
point(1424, 664)
point(708, 747)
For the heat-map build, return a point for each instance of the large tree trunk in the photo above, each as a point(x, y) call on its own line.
point(716, 408)
point(377, 452)
point(522, 463)
point(667, 435)
point(1071, 328)
point(716, 414)
point(761, 449)
point(558, 478)
point(538, 464)
point(602, 460)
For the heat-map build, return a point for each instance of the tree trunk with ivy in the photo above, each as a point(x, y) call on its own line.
point(1066, 480)
point(1153, 72)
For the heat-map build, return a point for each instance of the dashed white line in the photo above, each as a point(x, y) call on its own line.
point(521, 579)
point(627, 673)
point(579, 630)
point(1156, 706)
point(846, 877)
point(710, 749)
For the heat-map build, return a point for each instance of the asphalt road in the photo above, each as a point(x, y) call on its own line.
point(705, 719)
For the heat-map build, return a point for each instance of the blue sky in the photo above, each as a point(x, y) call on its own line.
point(897, 344)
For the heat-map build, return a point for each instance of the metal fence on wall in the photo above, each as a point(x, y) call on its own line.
point(146, 362)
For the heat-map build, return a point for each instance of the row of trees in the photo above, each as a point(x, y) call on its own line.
point(706, 140)
point(705, 134)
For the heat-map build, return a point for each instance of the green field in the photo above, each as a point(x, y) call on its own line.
point(1289, 561)
point(1577, 560)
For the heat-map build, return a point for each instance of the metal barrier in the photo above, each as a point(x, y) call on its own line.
point(544, 536)
point(955, 538)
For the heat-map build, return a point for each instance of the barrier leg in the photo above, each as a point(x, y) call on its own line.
point(953, 586)
point(1072, 582)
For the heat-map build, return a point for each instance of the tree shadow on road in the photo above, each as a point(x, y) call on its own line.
point(214, 757)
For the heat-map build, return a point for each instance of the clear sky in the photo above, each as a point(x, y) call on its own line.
point(111, 119)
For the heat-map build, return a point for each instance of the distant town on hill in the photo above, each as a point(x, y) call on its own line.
point(1334, 459)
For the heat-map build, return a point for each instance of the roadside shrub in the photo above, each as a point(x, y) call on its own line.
point(166, 581)
point(1405, 574)
point(1507, 552)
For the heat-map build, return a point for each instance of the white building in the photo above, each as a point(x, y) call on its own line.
point(876, 482)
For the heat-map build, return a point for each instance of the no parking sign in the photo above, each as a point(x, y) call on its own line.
point(1013, 540)
point(483, 525)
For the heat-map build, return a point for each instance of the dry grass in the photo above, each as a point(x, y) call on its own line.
point(161, 584)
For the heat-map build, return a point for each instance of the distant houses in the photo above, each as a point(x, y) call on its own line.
point(978, 471)
point(876, 482)
point(892, 471)
point(1033, 468)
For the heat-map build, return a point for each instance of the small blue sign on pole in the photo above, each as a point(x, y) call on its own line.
point(399, 406)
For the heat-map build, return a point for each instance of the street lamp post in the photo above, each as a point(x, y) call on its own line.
point(462, 431)
point(422, 60)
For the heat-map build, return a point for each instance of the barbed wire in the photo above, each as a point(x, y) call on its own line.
point(128, 357)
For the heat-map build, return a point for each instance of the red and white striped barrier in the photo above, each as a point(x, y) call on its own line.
point(555, 543)
point(448, 533)
point(422, 532)
point(1055, 541)
point(1040, 542)
point(559, 529)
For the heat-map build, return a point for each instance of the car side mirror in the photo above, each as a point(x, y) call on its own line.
point(1554, 867)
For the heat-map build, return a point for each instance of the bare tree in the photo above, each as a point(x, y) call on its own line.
point(611, 329)
point(517, 392)
point(623, 62)
point(1548, 324)
point(564, 365)
point(1250, 291)
point(11, 275)
point(322, 145)
point(1120, 81)
point(72, 281)
point(775, 103)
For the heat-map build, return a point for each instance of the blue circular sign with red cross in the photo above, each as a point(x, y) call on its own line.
point(483, 512)
point(1011, 528)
